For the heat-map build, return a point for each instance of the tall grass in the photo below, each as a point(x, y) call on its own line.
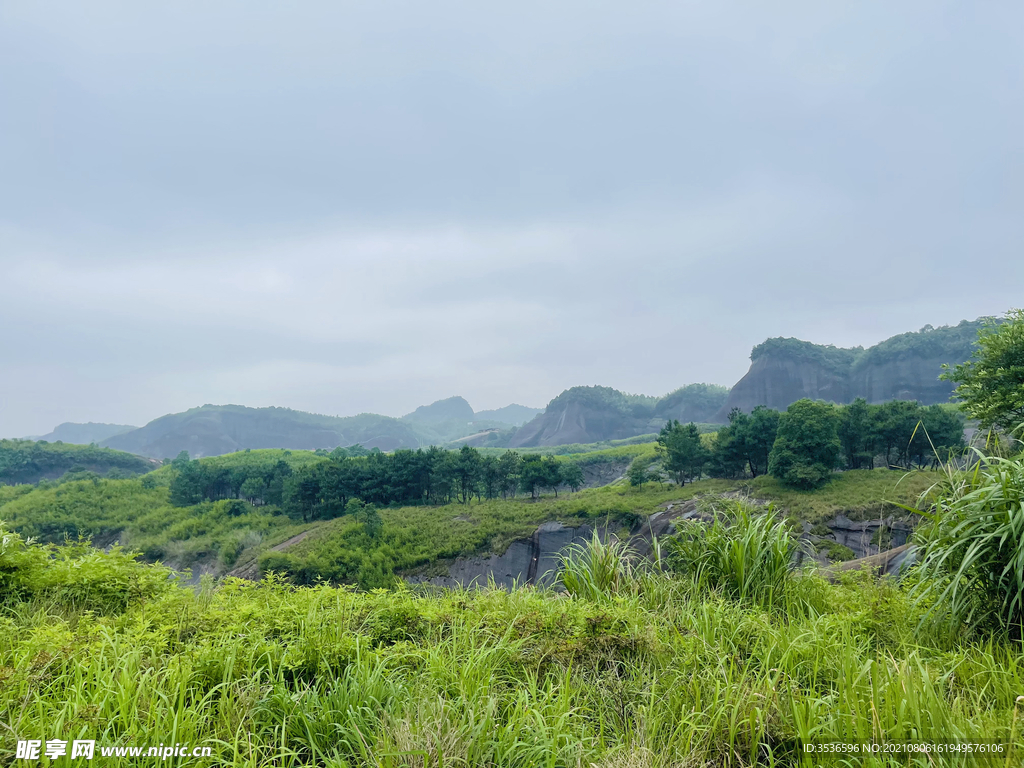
point(657, 672)
point(746, 553)
point(596, 569)
point(972, 565)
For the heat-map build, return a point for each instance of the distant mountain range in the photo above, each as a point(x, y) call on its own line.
point(212, 430)
point(904, 367)
point(84, 434)
point(782, 371)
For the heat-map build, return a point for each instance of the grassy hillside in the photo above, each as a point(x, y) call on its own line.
point(25, 461)
point(139, 515)
point(654, 670)
point(223, 534)
point(419, 536)
point(413, 537)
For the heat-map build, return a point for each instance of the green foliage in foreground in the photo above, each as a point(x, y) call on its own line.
point(973, 542)
point(660, 672)
point(25, 461)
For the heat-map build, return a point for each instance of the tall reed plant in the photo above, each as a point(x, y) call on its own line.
point(746, 552)
point(596, 569)
point(972, 541)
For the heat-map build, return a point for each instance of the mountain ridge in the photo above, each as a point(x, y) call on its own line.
point(902, 367)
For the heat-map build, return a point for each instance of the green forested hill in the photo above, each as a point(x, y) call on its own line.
point(212, 430)
point(955, 342)
point(27, 461)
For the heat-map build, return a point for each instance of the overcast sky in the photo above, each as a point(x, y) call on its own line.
point(346, 207)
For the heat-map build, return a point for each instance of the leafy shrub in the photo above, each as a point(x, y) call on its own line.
point(20, 566)
point(278, 562)
point(835, 551)
point(76, 576)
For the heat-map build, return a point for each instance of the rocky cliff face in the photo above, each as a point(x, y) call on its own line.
point(777, 381)
point(594, 414)
point(912, 378)
point(526, 561)
point(905, 367)
point(575, 422)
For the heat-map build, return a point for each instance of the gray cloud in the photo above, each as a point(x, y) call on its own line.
point(345, 207)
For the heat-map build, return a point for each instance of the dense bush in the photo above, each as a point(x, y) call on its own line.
point(75, 576)
point(991, 383)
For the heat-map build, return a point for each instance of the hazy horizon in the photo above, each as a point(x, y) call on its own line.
point(344, 209)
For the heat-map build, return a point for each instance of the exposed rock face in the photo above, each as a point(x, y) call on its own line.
point(777, 381)
point(912, 378)
point(595, 414)
point(905, 367)
point(526, 561)
point(575, 422)
point(864, 537)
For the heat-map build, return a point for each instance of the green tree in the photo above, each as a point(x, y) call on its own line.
point(252, 490)
point(552, 474)
point(991, 383)
point(760, 438)
point(943, 435)
point(637, 474)
point(468, 471)
point(684, 454)
point(189, 482)
point(896, 428)
point(532, 475)
point(509, 466)
point(366, 514)
point(728, 452)
point(857, 434)
point(807, 447)
point(572, 475)
point(302, 494)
